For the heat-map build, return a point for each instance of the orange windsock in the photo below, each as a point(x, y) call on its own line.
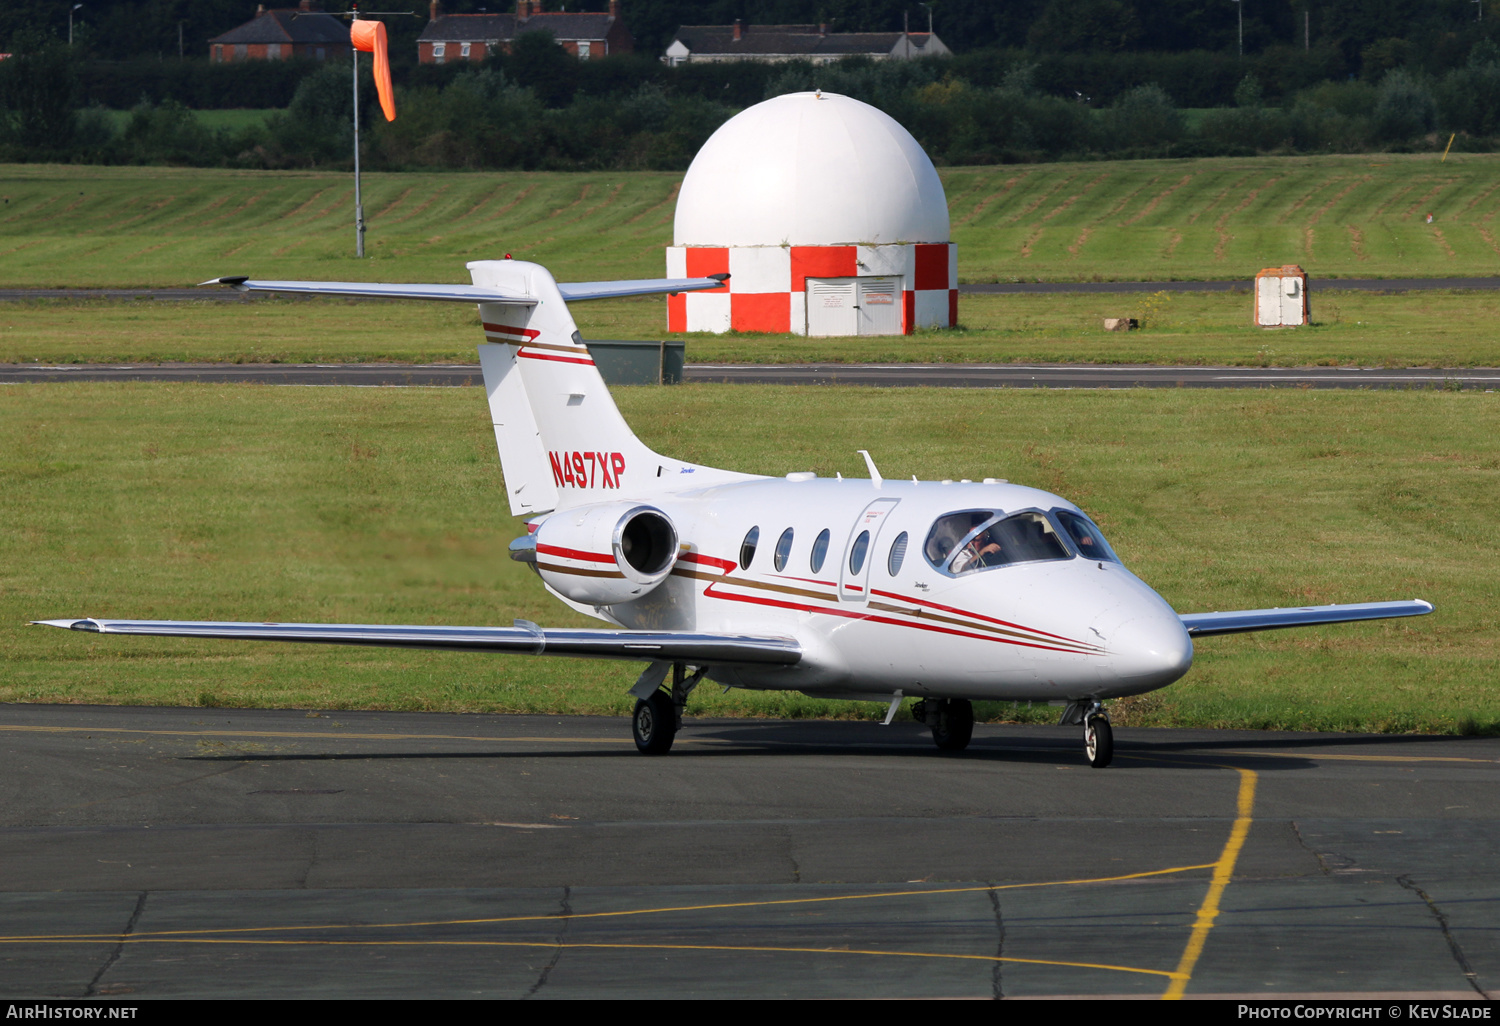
point(369, 36)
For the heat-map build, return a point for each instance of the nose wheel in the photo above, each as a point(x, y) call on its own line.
point(1098, 738)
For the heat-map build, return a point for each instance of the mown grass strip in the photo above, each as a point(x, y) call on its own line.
point(1224, 217)
point(1424, 329)
point(385, 505)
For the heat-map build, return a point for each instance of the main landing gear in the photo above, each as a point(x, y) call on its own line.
point(658, 716)
point(1098, 736)
point(951, 720)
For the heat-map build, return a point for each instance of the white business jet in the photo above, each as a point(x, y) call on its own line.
point(945, 592)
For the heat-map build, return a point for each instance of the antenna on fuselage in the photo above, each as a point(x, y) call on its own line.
point(874, 473)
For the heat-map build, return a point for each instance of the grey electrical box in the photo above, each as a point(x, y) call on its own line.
point(626, 362)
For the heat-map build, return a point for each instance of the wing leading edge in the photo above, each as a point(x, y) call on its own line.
point(524, 637)
point(573, 292)
point(1239, 621)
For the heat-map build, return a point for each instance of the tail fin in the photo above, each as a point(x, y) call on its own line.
point(561, 438)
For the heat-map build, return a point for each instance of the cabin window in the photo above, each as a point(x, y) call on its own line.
point(783, 549)
point(898, 553)
point(463, 49)
point(819, 550)
point(438, 50)
point(1087, 538)
point(747, 547)
point(857, 552)
point(961, 543)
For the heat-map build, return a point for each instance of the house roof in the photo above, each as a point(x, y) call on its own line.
point(473, 28)
point(288, 26)
point(797, 40)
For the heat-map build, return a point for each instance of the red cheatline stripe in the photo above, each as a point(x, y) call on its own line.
point(505, 329)
point(526, 355)
point(592, 557)
point(694, 557)
point(977, 616)
point(800, 607)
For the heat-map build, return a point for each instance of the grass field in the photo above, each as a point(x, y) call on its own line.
point(1446, 329)
point(383, 505)
point(1193, 219)
point(215, 120)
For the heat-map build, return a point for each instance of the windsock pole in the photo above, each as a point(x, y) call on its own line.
point(359, 208)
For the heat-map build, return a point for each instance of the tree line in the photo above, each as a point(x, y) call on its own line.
point(540, 108)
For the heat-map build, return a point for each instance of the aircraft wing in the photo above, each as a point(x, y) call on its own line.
point(470, 293)
point(1201, 625)
point(524, 637)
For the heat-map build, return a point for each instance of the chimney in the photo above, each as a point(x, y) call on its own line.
point(523, 9)
point(822, 28)
point(305, 6)
point(260, 9)
point(435, 10)
point(739, 30)
point(614, 8)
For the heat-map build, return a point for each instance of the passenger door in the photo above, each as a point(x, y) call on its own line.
point(859, 556)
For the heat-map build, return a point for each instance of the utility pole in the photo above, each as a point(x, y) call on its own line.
point(1306, 28)
point(70, 22)
point(1239, 5)
point(179, 41)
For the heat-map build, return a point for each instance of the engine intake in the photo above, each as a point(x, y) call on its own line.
point(606, 553)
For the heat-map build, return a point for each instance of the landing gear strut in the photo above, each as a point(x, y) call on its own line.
point(658, 716)
point(951, 720)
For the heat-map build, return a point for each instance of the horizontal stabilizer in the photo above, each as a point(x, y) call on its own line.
point(470, 293)
point(698, 649)
point(580, 290)
point(1239, 621)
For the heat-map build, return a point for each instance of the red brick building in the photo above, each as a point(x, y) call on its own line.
point(279, 35)
point(473, 37)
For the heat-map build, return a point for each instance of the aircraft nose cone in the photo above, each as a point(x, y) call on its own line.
point(1149, 649)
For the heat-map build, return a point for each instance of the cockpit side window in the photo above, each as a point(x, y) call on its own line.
point(1087, 538)
point(948, 534)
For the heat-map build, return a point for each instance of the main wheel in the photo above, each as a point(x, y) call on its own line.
point(1098, 741)
point(955, 725)
point(655, 723)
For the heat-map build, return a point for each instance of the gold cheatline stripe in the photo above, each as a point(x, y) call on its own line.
point(1038, 638)
point(1083, 647)
point(1223, 871)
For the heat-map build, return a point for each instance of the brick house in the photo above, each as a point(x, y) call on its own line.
point(303, 31)
point(473, 37)
point(776, 43)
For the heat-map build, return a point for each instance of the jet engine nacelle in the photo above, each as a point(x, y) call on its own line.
point(607, 552)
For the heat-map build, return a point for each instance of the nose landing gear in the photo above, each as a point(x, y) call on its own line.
point(1098, 736)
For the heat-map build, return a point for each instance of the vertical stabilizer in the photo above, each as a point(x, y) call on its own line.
point(562, 440)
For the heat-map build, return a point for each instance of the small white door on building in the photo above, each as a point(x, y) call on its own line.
point(879, 306)
point(832, 306)
point(1268, 301)
point(1291, 300)
point(854, 306)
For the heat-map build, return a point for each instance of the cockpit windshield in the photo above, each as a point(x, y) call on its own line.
point(1087, 538)
point(960, 543)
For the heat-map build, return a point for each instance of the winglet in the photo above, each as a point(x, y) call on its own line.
point(234, 281)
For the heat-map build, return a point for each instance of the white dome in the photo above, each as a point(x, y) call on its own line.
point(810, 169)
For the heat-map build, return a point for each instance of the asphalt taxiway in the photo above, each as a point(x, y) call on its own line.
point(230, 853)
point(903, 375)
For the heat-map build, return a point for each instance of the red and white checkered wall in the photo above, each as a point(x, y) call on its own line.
point(767, 289)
